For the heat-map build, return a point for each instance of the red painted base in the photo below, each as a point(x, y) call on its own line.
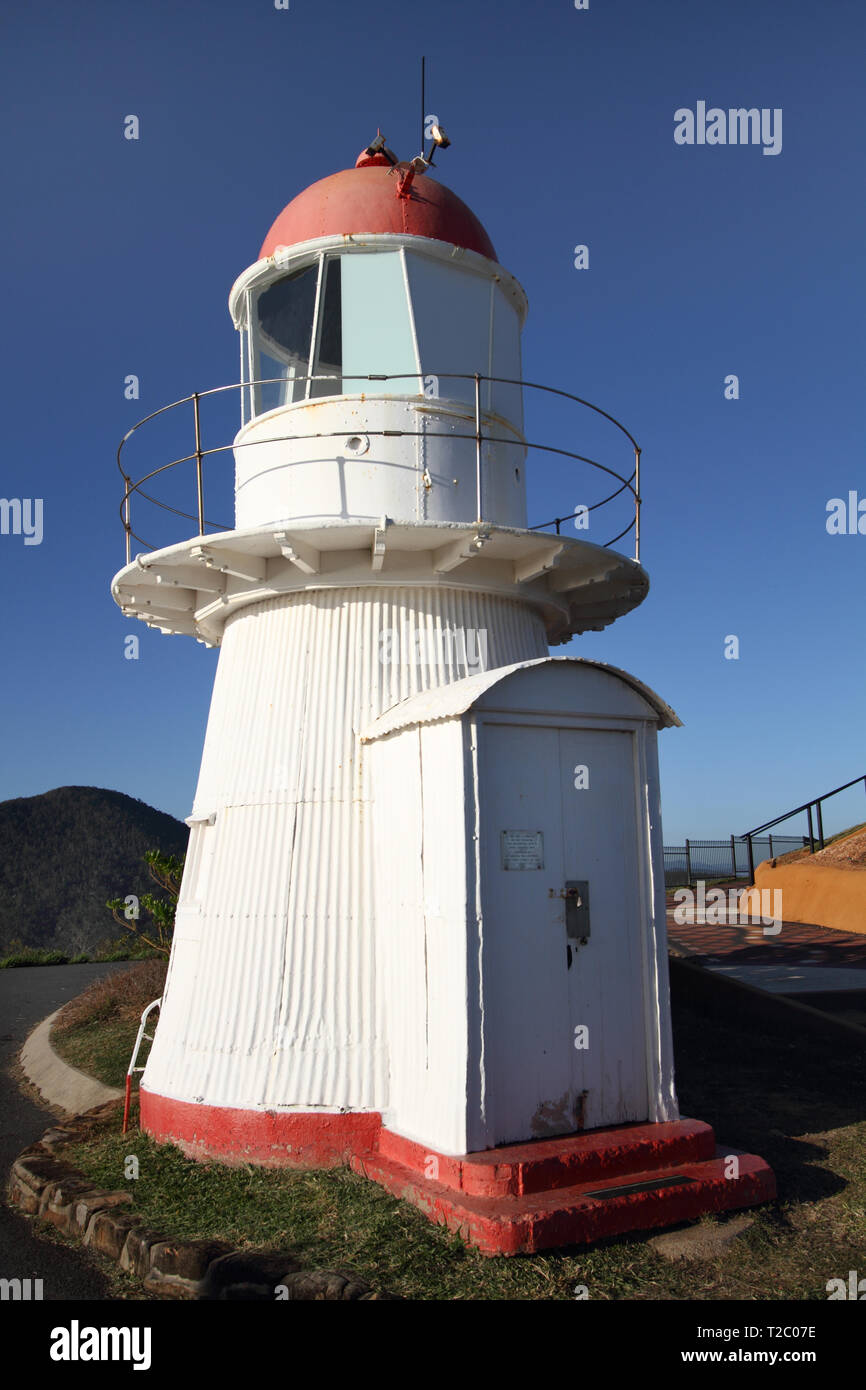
point(269, 1138)
point(574, 1190)
point(514, 1199)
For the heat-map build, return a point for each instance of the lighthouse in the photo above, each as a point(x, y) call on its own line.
point(421, 924)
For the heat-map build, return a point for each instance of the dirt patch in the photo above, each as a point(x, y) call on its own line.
point(119, 996)
point(849, 852)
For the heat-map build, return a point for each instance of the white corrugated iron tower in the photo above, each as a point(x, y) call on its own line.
point(422, 914)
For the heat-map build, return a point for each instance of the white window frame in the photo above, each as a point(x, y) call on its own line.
point(253, 321)
point(251, 369)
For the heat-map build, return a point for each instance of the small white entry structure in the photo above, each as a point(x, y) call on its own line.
point(520, 1005)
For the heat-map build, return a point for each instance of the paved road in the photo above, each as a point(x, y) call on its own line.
point(26, 997)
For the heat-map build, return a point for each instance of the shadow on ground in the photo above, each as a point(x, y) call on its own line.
point(767, 1079)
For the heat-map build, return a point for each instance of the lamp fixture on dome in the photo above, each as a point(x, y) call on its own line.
point(439, 140)
point(378, 146)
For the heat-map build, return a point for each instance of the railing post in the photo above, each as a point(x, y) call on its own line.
point(751, 859)
point(198, 462)
point(637, 504)
point(689, 862)
point(127, 523)
point(478, 444)
point(820, 823)
point(733, 858)
point(770, 839)
point(811, 831)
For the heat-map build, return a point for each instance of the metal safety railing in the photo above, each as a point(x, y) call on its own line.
point(815, 836)
point(479, 435)
point(140, 1037)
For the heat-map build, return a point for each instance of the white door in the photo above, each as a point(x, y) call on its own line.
point(565, 1044)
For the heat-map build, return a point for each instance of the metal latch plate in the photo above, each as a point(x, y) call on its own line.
point(577, 909)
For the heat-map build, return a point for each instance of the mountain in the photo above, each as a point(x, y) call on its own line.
point(64, 853)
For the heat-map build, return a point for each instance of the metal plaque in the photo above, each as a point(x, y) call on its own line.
point(522, 849)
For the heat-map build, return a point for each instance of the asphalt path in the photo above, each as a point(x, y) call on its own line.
point(26, 997)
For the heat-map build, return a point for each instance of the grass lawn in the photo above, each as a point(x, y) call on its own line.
point(96, 1031)
point(100, 1049)
point(796, 1101)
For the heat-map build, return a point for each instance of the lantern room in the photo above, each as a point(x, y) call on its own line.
point(325, 327)
point(401, 317)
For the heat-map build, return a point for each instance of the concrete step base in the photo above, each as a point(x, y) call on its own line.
point(572, 1190)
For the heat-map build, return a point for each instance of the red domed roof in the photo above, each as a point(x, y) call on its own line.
point(378, 197)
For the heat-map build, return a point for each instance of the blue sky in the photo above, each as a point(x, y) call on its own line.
point(705, 261)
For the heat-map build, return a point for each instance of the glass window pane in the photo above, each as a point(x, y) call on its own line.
point(284, 328)
point(329, 359)
point(290, 386)
point(452, 323)
point(377, 330)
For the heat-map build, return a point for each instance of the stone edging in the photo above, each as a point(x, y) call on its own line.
point(43, 1185)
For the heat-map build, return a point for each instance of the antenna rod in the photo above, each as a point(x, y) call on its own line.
point(423, 102)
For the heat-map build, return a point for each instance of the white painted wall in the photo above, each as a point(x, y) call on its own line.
point(283, 474)
point(421, 886)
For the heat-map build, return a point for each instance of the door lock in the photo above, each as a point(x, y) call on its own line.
point(576, 897)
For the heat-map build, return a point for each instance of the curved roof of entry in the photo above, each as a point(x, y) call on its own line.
point(450, 701)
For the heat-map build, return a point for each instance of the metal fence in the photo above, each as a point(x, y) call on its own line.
point(724, 859)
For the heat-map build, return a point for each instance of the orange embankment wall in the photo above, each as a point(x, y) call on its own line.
point(818, 894)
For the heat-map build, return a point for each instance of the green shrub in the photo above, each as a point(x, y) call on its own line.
point(154, 935)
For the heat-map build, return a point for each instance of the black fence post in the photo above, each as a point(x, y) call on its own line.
point(811, 831)
point(689, 863)
point(733, 858)
point(820, 824)
point(751, 859)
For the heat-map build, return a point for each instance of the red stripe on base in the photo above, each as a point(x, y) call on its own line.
point(273, 1138)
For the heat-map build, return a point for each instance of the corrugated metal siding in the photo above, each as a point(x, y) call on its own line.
point(421, 919)
point(400, 964)
point(298, 673)
point(445, 914)
point(272, 999)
